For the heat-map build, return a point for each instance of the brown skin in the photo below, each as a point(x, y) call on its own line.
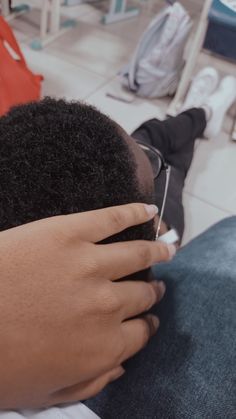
point(74, 304)
point(65, 325)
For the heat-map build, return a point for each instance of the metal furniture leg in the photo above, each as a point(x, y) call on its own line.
point(50, 27)
point(5, 8)
point(118, 11)
point(11, 13)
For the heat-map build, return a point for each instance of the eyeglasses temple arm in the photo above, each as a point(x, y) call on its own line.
point(168, 170)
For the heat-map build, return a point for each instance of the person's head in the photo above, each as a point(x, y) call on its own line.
point(60, 158)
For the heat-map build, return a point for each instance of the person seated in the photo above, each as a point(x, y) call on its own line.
point(59, 158)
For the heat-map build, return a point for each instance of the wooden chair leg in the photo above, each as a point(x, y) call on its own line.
point(234, 131)
point(191, 60)
point(118, 11)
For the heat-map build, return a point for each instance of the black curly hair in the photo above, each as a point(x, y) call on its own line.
point(58, 157)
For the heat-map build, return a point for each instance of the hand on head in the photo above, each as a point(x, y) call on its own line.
point(65, 325)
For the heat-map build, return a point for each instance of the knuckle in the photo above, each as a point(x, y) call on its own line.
point(90, 264)
point(151, 298)
point(130, 215)
point(148, 298)
point(109, 301)
point(137, 212)
point(145, 254)
point(164, 252)
point(84, 262)
point(115, 349)
point(59, 234)
point(116, 219)
point(119, 353)
point(144, 332)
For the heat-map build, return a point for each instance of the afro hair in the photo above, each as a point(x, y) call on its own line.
point(60, 158)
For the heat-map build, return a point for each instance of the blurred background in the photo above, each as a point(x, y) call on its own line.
point(80, 60)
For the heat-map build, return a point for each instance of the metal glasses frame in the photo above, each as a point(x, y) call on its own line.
point(164, 167)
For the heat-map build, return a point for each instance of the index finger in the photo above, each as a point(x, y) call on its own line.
point(98, 225)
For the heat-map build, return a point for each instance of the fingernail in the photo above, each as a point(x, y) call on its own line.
point(172, 250)
point(152, 210)
point(155, 322)
point(160, 288)
point(119, 374)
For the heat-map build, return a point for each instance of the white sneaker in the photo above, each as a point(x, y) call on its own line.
point(203, 85)
point(219, 103)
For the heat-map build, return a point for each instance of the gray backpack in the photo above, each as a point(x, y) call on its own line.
point(155, 68)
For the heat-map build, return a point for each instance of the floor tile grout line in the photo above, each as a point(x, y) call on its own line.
point(209, 203)
point(100, 87)
point(78, 65)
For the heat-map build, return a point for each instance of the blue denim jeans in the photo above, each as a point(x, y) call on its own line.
point(188, 370)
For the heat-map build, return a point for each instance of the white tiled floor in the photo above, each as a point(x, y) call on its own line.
point(61, 78)
point(83, 63)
